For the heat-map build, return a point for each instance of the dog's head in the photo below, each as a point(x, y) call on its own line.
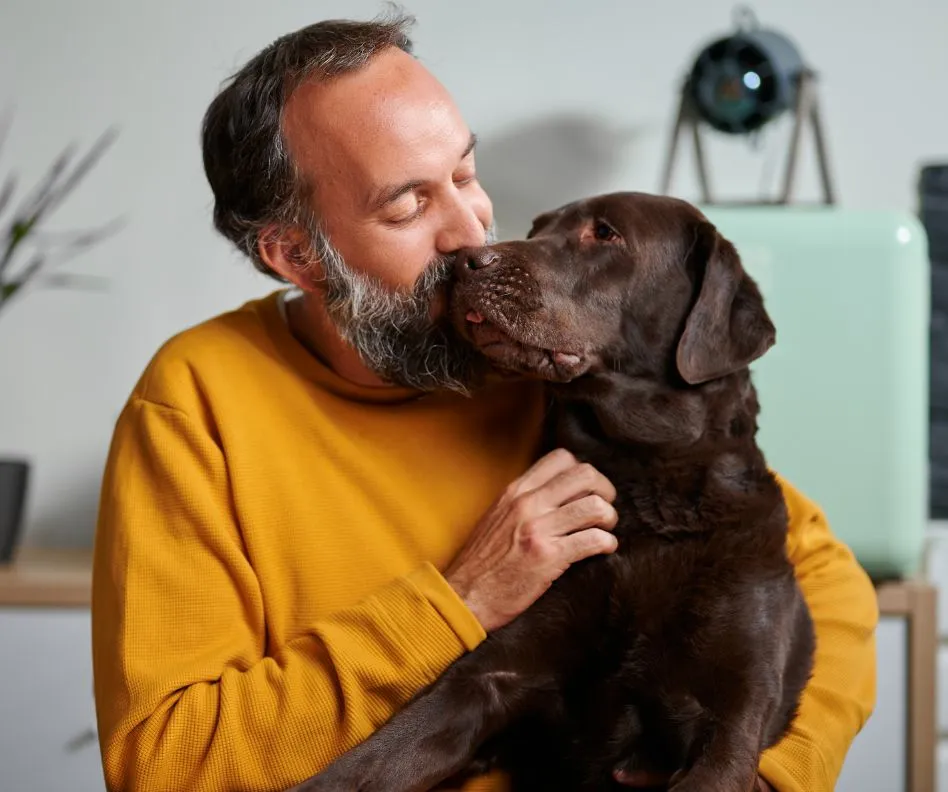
point(625, 282)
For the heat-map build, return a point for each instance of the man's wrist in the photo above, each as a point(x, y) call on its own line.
point(468, 595)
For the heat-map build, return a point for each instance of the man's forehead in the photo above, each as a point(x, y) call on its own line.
point(376, 125)
point(394, 178)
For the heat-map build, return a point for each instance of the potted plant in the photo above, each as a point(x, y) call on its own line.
point(29, 257)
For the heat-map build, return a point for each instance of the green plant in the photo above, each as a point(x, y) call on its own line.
point(28, 252)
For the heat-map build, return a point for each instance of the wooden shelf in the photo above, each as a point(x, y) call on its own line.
point(60, 576)
point(916, 602)
point(49, 577)
point(897, 597)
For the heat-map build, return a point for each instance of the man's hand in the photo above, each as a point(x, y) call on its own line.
point(558, 512)
point(646, 780)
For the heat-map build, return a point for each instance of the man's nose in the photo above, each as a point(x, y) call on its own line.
point(464, 225)
point(469, 260)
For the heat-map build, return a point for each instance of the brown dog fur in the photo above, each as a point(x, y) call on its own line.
point(686, 651)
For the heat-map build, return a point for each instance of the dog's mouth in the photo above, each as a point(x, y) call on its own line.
point(507, 351)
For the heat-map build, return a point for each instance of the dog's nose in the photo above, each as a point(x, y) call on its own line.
point(470, 259)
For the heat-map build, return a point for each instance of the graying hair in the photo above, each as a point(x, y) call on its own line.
point(392, 329)
point(255, 183)
point(258, 190)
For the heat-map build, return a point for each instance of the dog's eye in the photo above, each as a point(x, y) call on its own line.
point(604, 232)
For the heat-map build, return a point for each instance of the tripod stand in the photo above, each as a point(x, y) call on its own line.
point(806, 110)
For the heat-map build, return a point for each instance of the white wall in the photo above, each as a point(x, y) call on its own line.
point(568, 98)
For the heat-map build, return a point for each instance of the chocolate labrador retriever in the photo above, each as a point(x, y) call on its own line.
point(684, 652)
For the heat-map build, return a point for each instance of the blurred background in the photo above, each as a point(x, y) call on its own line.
point(568, 99)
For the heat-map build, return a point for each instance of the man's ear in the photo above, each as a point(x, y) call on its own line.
point(728, 327)
point(287, 252)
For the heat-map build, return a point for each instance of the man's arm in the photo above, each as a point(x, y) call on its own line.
point(187, 696)
point(842, 691)
point(188, 693)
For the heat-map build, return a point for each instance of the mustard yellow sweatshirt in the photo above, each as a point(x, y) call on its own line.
point(266, 586)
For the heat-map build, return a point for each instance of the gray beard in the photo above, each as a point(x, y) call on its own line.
point(392, 330)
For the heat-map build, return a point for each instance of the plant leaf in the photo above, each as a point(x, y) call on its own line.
point(49, 194)
point(76, 239)
point(79, 244)
point(5, 123)
point(86, 164)
point(39, 196)
point(31, 209)
point(7, 192)
point(81, 740)
point(31, 269)
point(87, 239)
point(8, 289)
point(67, 280)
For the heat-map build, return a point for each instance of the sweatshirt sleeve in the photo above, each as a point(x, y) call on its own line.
point(841, 693)
point(187, 694)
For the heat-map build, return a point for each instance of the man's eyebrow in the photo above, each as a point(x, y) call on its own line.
point(470, 145)
point(387, 195)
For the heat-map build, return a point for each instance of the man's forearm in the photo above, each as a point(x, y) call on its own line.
point(842, 690)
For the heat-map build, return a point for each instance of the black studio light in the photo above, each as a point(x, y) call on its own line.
point(741, 82)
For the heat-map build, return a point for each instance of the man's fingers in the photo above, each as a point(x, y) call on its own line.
point(545, 468)
point(576, 482)
point(592, 541)
point(590, 511)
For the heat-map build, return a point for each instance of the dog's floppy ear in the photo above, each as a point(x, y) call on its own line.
point(540, 221)
point(728, 326)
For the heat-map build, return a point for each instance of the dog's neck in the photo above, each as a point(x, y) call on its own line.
point(655, 420)
point(662, 447)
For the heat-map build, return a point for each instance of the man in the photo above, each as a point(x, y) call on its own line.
point(305, 516)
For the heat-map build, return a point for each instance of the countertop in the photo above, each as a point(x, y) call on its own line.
point(61, 577)
point(51, 577)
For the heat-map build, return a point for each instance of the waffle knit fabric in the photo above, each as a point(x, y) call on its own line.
point(266, 585)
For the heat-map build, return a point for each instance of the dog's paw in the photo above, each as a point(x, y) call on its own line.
point(699, 782)
point(629, 774)
point(476, 767)
point(341, 777)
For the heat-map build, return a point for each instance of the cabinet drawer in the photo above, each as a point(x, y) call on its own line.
point(46, 701)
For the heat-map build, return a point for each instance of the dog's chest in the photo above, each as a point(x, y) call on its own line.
point(652, 580)
point(668, 588)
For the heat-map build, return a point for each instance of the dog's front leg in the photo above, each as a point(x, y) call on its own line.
point(728, 758)
point(437, 733)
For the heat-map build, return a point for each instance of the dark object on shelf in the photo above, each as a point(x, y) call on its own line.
point(933, 209)
point(14, 478)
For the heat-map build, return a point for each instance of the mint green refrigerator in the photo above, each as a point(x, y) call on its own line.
point(844, 393)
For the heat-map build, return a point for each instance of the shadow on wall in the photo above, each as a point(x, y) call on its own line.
point(546, 162)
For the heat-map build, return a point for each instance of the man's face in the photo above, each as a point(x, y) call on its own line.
point(396, 194)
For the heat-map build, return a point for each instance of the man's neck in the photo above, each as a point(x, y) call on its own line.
point(313, 328)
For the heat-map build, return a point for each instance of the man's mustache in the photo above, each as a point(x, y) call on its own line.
point(440, 270)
